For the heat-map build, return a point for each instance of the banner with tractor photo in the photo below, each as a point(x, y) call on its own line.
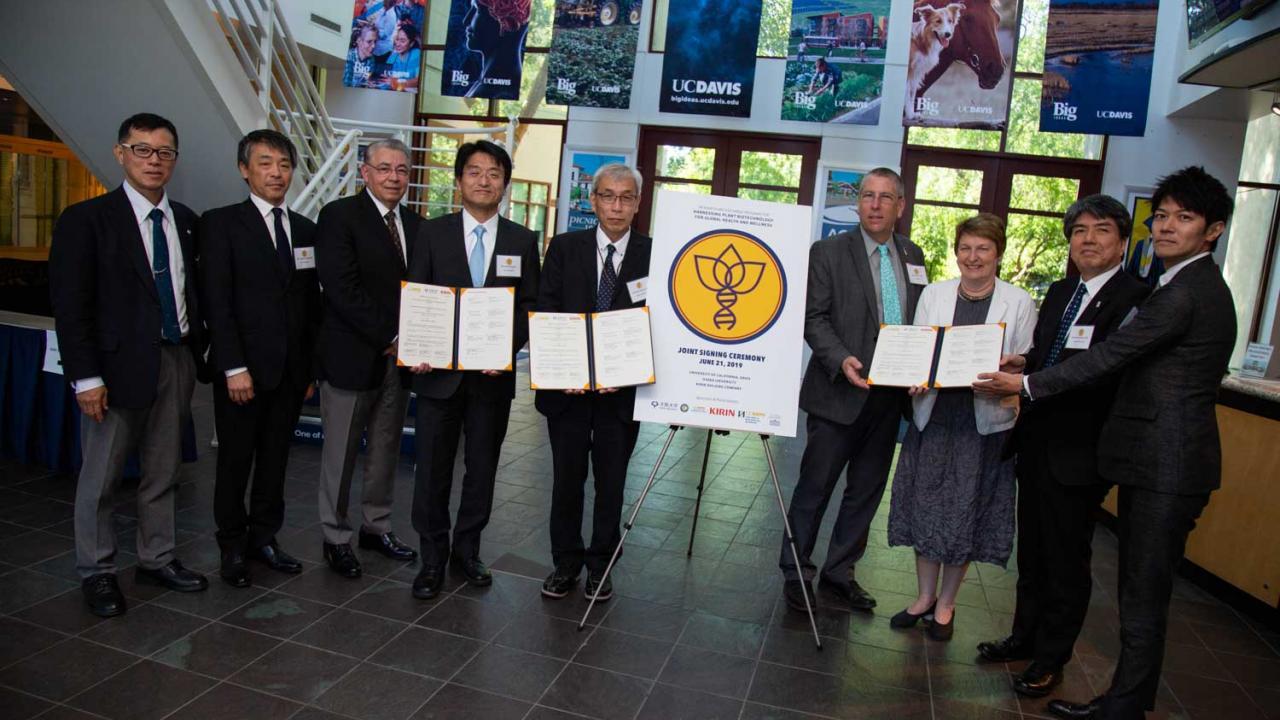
point(835, 61)
point(593, 53)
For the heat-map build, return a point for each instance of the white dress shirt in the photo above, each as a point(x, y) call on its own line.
point(469, 225)
point(264, 209)
point(602, 249)
point(1167, 276)
point(382, 213)
point(1092, 287)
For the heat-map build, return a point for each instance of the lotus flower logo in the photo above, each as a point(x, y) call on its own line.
point(727, 286)
point(728, 276)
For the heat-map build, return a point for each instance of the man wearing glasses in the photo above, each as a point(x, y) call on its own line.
point(603, 268)
point(362, 255)
point(474, 247)
point(122, 274)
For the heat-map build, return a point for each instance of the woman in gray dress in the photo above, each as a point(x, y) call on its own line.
point(953, 493)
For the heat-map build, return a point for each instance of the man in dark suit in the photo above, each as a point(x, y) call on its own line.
point(262, 304)
point(1056, 441)
point(857, 280)
point(122, 276)
point(594, 270)
point(1160, 441)
point(363, 249)
point(474, 247)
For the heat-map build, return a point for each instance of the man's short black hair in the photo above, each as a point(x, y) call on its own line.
point(273, 139)
point(1103, 207)
point(1197, 191)
point(491, 149)
point(146, 122)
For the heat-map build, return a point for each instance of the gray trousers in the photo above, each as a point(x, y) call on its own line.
point(156, 433)
point(345, 416)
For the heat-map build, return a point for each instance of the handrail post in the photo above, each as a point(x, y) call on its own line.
point(264, 44)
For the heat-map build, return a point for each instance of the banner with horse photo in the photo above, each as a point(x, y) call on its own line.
point(1097, 66)
point(960, 63)
point(484, 49)
point(835, 61)
point(593, 53)
point(709, 67)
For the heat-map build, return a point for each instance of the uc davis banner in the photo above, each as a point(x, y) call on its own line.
point(835, 61)
point(1097, 66)
point(484, 48)
point(593, 53)
point(709, 66)
point(960, 63)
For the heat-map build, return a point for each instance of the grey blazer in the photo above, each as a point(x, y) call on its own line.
point(841, 319)
point(1162, 433)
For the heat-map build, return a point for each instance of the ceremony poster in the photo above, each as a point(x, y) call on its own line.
point(709, 66)
point(835, 61)
point(593, 53)
point(960, 59)
point(727, 285)
point(484, 49)
point(1097, 66)
point(384, 51)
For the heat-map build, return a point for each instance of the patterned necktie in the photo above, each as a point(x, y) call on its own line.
point(1064, 326)
point(889, 290)
point(477, 258)
point(282, 242)
point(170, 330)
point(608, 282)
point(395, 237)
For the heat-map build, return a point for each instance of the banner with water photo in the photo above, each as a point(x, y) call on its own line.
point(1097, 66)
point(484, 49)
point(835, 61)
point(593, 53)
point(709, 66)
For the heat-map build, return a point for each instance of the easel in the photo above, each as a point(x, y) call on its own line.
point(786, 523)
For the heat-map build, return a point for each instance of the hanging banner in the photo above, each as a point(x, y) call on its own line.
point(727, 284)
point(960, 74)
point(709, 66)
point(385, 49)
point(1097, 67)
point(484, 49)
point(593, 53)
point(835, 61)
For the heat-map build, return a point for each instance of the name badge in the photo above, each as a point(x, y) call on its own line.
point(1079, 337)
point(508, 265)
point(304, 258)
point(638, 289)
point(917, 275)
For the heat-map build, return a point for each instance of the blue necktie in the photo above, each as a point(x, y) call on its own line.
point(889, 290)
point(608, 282)
point(170, 330)
point(1064, 326)
point(477, 258)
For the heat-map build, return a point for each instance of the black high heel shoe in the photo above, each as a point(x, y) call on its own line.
point(940, 632)
point(907, 619)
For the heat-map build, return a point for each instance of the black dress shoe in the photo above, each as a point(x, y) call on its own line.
point(1005, 650)
point(429, 581)
point(342, 560)
point(560, 582)
point(388, 544)
point(1075, 711)
point(1037, 680)
point(276, 559)
point(793, 591)
point(102, 594)
point(473, 570)
point(172, 576)
point(907, 619)
point(851, 594)
point(599, 587)
point(940, 632)
point(234, 571)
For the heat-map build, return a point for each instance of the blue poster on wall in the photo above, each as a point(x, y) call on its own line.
point(484, 49)
point(1097, 66)
point(709, 66)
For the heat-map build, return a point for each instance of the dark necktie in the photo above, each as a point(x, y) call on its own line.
point(395, 237)
point(282, 242)
point(608, 282)
point(1064, 326)
point(170, 329)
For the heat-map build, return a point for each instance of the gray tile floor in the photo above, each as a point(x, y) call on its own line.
point(700, 637)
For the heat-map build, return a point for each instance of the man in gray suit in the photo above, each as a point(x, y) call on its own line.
point(857, 280)
point(1160, 441)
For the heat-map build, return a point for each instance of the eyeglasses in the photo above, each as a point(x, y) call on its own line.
point(401, 170)
point(146, 151)
point(476, 173)
point(610, 198)
point(882, 197)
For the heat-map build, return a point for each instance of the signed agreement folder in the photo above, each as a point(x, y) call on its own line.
point(935, 357)
point(456, 328)
point(589, 351)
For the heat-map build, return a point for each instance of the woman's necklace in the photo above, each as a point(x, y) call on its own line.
point(977, 298)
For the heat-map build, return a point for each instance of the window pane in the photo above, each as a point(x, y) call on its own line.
point(775, 23)
point(1024, 129)
point(690, 163)
point(782, 196)
point(538, 193)
point(658, 35)
point(1035, 17)
point(542, 17)
point(533, 95)
point(933, 228)
point(1036, 253)
point(517, 213)
point(761, 168)
point(955, 138)
point(949, 185)
point(519, 190)
point(437, 22)
point(1039, 192)
point(431, 101)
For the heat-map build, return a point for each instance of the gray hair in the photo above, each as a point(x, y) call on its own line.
point(1103, 207)
point(387, 144)
point(885, 172)
point(616, 171)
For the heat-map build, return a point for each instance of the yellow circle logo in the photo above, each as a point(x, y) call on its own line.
point(727, 286)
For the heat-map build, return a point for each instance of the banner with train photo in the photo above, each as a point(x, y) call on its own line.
point(835, 61)
point(709, 66)
point(593, 53)
point(484, 49)
point(1097, 66)
point(960, 63)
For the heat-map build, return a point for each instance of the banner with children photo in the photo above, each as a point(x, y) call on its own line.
point(385, 49)
point(835, 61)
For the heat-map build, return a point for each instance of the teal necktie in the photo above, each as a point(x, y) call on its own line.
point(477, 258)
point(889, 290)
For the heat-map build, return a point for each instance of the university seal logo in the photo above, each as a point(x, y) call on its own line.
point(727, 286)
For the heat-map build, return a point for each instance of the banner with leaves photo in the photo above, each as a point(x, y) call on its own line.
point(835, 61)
point(593, 53)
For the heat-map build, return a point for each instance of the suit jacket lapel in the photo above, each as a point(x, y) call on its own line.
point(861, 266)
point(913, 292)
point(453, 253)
point(258, 236)
point(374, 219)
point(127, 224)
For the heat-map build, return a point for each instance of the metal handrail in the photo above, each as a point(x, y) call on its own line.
point(331, 173)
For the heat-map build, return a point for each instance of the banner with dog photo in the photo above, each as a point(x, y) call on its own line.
point(1097, 67)
point(709, 67)
point(484, 49)
point(960, 63)
point(593, 53)
point(835, 61)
